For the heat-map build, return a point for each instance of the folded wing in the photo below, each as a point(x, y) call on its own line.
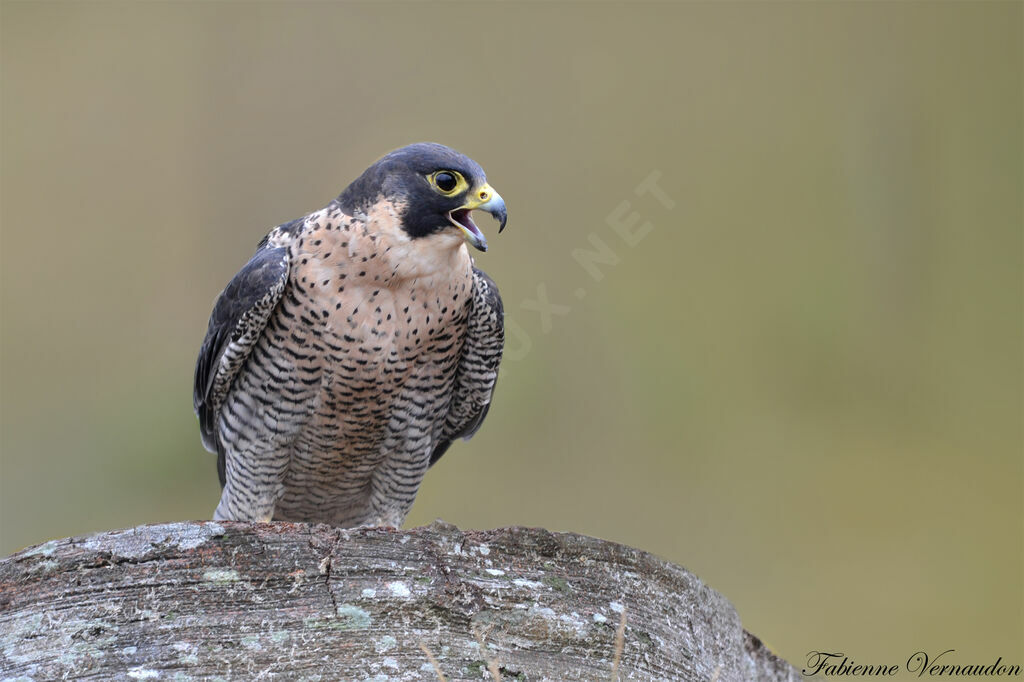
point(237, 321)
point(477, 371)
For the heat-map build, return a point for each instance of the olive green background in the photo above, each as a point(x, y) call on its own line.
point(803, 383)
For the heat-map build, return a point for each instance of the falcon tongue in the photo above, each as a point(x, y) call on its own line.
point(460, 218)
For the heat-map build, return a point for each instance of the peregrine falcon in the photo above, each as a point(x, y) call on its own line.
point(358, 342)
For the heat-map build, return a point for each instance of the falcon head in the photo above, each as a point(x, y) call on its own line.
point(435, 187)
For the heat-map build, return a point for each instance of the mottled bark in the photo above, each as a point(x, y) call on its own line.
point(190, 601)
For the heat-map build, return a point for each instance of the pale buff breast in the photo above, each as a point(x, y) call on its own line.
point(384, 308)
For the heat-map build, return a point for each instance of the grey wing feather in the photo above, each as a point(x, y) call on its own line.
point(477, 371)
point(238, 319)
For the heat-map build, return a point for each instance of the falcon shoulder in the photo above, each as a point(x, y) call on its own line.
point(238, 319)
point(477, 371)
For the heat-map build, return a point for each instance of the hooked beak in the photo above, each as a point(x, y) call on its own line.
point(485, 199)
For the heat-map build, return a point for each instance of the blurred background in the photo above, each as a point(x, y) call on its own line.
point(802, 381)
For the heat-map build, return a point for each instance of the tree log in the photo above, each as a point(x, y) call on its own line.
point(214, 600)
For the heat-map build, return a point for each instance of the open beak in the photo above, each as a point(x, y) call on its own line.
point(485, 199)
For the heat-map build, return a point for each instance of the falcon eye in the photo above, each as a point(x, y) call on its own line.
point(448, 182)
point(445, 181)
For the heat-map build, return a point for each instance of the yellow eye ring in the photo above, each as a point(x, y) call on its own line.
point(448, 182)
